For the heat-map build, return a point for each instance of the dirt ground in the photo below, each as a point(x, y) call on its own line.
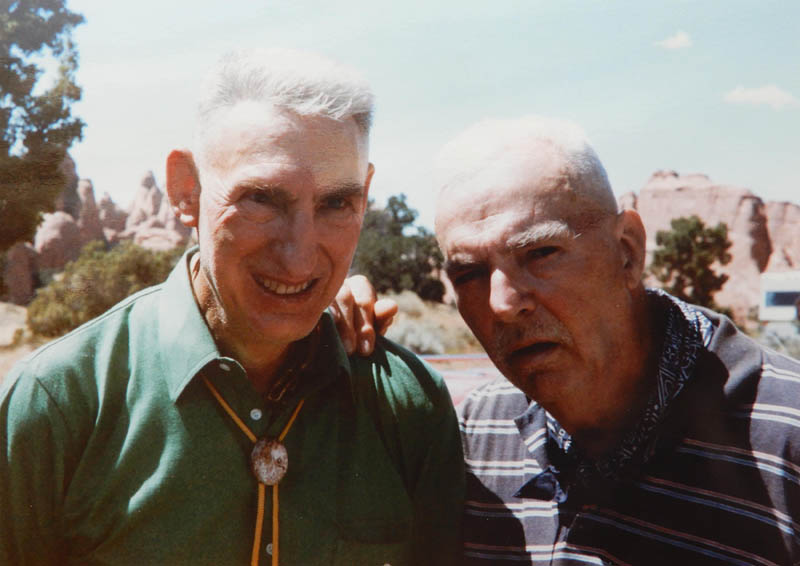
point(14, 343)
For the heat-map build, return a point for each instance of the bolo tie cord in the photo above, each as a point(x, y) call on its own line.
point(261, 487)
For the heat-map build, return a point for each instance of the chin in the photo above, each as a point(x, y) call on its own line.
point(285, 331)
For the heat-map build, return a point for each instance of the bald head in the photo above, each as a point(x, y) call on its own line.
point(554, 155)
point(544, 270)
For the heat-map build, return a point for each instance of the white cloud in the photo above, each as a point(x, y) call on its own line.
point(771, 95)
point(680, 40)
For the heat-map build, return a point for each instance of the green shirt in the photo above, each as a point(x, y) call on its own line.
point(115, 451)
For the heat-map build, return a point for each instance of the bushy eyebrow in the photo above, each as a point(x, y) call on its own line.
point(345, 191)
point(282, 197)
point(542, 232)
point(277, 195)
point(550, 230)
point(454, 264)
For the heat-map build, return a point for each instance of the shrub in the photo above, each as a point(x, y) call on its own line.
point(428, 327)
point(94, 282)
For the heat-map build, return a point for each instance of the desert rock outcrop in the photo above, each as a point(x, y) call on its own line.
point(112, 218)
point(79, 219)
point(758, 232)
point(58, 240)
point(783, 224)
point(19, 273)
point(89, 214)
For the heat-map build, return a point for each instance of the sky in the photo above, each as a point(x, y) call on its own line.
point(695, 86)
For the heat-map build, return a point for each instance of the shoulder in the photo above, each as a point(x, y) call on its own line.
point(410, 407)
point(401, 377)
point(71, 367)
point(747, 395)
point(747, 365)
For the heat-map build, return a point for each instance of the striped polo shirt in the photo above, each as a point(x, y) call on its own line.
point(710, 475)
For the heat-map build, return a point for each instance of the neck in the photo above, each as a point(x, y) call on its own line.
point(626, 393)
point(261, 359)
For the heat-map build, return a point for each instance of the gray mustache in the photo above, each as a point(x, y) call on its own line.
point(543, 327)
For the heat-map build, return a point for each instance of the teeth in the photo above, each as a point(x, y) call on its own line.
point(282, 289)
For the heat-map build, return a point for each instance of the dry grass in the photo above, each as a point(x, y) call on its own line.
point(15, 340)
point(430, 328)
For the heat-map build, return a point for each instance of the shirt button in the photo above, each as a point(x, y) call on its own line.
point(255, 414)
point(269, 549)
point(224, 367)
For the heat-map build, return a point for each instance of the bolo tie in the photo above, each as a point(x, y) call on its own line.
point(269, 462)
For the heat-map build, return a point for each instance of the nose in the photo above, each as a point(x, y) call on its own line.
point(510, 295)
point(297, 247)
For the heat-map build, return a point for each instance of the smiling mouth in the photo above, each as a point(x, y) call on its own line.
point(277, 288)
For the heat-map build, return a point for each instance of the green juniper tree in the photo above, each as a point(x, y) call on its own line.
point(37, 125)
point(396, 255)
point(684, 260)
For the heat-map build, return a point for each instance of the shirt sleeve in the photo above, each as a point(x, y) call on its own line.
point(438, 497)
point(32, 480)
point(420, 428)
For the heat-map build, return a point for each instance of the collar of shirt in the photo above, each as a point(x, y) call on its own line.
point(686, 332)
point(186, 344)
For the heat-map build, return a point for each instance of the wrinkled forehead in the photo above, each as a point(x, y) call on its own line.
point(508, 208)
point(506, 220)
point(508, 187)
point(253, 130)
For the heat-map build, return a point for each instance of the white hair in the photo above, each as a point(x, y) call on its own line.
point(488, 140)
point(300, 81)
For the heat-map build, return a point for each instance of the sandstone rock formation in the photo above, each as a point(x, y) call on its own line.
point(89, 215)
point(146, 204)
point(783, 224)
point(19, 273)
point(112, 218)
point(78, 220)
point(58, 240)
point(151, 222)
point(762, 236)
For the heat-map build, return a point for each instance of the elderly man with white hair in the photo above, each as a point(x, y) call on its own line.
point(216, 419)
point(633, 428)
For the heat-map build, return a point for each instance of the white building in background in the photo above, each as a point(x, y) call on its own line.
point(780, 293)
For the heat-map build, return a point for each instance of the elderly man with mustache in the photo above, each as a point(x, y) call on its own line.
point(632, 428)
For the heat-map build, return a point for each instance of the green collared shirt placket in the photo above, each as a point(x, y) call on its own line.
point(116, 452)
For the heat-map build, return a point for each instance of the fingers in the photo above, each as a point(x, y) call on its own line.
point(385, 309)
point(365, 330)
point(364, 323)
point(359, 314)
point(342, 308)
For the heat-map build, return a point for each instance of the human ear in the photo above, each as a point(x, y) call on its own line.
point(633, 240)
point(367, 182)
point(183, 186)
